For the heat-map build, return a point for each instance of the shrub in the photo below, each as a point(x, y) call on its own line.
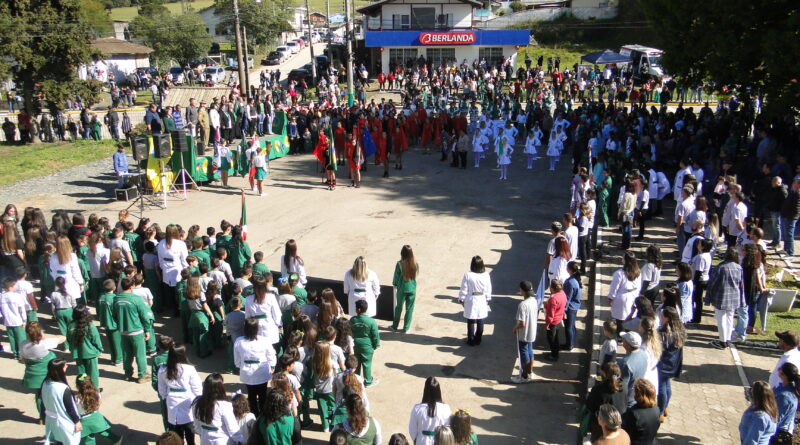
point(517, 6)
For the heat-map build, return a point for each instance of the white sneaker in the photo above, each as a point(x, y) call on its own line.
point(518, 379)
point(263, 194)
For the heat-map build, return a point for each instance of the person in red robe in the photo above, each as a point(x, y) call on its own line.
point(400, 145)
point(412, 129)
point(339, 137)
point(437, 133)
point(381, 156)
point(427, 134)
point(355, 156)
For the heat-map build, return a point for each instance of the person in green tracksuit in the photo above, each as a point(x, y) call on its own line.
point(276, 425)
point(259, 268)
point(200, 318)
point(164, 344)
point(238, 251)
point(106, 318)
point(202, 254)
point(131, 314)
point(366, 339)
point(300, 294)
point(85, 343)
point(405, 280)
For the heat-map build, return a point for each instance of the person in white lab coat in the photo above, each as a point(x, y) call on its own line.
point(625, 286)
point(65, 264)
point(172, 253)
point(213, 414)
point(291, 263)
point(428, 415)
point(178, 385)
point(62, 423)
point(475, 295)
point(361, 283)
point(255, 357)
point(263, 306)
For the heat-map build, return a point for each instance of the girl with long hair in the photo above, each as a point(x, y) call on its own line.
point(557, 269)
point(172, 253)
point(36, 353)
point(265, 309)
point(405, 280)
point(786, 394)
point(643, 309)
point(754, 265)
point(608, 390)
point(62, 423)
point(65, 264)
point(94, 424)
point(625, 286)
point(758, 422)
point(99, 259)
point(359, 425)
point(344, 336)
point(85, 343)
point(255, 358)
point(179, 384)
point(641, 421)
point(213, 414)
point(64, 302)
point(13, 249)
point(349, 380)
point(685, 287)
point(275, 425)
point(651, 273)
point(429, 414)
point(474, 295)
point(323, 376)
point(673, 337)
point(444, 436)
point(651, 344)
point(200, 317)
point(328, 295)
point(361, 283)
point(461, 425)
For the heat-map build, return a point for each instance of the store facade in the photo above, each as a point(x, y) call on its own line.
point(400, 31)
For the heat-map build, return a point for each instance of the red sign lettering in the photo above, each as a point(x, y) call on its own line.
point(447, 38)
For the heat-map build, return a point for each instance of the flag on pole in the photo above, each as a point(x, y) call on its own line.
point(499, 148)
point(243, 218)
point(369, 144)
point(542, 288)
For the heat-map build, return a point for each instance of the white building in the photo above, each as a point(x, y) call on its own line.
point(398, 31)
point(119, 56)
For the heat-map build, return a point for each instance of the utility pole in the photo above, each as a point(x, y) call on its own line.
point(237, 32)
point(311, 48)
point(328, 22)
point(246, 68)
point(349, 39)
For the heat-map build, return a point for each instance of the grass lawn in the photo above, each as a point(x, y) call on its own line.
point(31, 161)
point(128, 13)
point(570, 54)
point(780, 321)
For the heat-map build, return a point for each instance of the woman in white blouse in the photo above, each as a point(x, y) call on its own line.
point(361, 283)
point(213, 414)
point(172, 255)
point(625, 286)
point(263, 306)
point(428, 415)
point(178, 385)
point(255, 358)
point(291, 263)
point(557, 269)
point(475, 295)
point(65, 264)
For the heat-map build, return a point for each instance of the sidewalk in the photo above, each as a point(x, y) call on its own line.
point(707, 400)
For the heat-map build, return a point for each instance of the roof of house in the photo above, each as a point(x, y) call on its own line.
point(375, 5)
point(111, 45)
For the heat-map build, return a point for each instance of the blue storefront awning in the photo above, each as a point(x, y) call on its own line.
point(451, 38)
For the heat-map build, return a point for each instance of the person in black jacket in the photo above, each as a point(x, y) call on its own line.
point(609, 390)
point(777, 194)
point(790, 211)
point(641, 421)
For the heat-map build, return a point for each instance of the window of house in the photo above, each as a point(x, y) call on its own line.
point(444, 21)
point(423, 18)
point(401, 21)
point(439, 56)
point(401, 56)
point(492, 55)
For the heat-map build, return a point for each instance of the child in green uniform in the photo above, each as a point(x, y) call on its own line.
point(131, 315)
point(276, 424)
point(85, 344)
point(366, 340)
point(194, 269)
point(36, 353)
point(164, 344)
point(93, 423)
point(152, 275)
point(234, 326)
point(147, 297)
point(15, 315)
point(25, 288)
point(82, 252)
point(63, 303)
point(105, 316)
point(217, 307)
point(180, 293)
point(300, 294)
point(198, 251)
point(461, 424)
point(238, 251)
point(46, 280)
point(405, 280)
point(133, 240)
point(199, 319)
point(259, 268)
point(322, 369)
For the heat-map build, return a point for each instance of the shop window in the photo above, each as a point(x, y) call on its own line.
point(401, 21)
point(402, 56)
point(493, 56)
point(440, 56)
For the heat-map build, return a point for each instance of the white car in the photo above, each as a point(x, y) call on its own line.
point(215, 73)
point(285, 51)
point(176, 73)
point(293, 46)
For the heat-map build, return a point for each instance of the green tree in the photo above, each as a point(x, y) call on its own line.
point(43, 44)
point(149, 8)
point(264, 21)
point(173, 38)
point(96, 15)
point(733, 42)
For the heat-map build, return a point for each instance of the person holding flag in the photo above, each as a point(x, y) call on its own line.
point(243, 218)
point(325, 153)
point(356, 155)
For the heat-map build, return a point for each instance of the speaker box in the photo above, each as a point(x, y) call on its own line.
point(163, 145)
point(140, 148)
point(126, 194)
point(179, 142)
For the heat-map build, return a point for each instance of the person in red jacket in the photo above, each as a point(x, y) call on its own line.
point(554, 317)
point(381, 80)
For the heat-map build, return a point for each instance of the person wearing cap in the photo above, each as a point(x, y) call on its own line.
point(634, 364)
point(525, 330)
point(788, 341)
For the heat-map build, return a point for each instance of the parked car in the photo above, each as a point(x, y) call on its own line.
point(249, 63)
point(285, 51)
point(273, 58)
point(293, 46)
point(215, 73)
point(304, 39)
point(176, 75)
point(202, 63)
point(299, 73)
point(300, 42)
